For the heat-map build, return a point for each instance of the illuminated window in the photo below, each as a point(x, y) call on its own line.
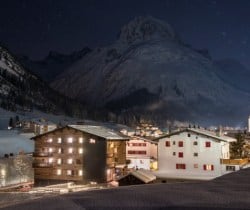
point(50, 149)
point(59, 171)
point(59, 150)
point(111, 145)
point(70, 150)
point(50, 160)
point(208, 144)
point(3, 172)
point(115, 150)
point(69, 172)
point(208, 167)
point(59, 140)
point(70, 161)
point(50, 140)
point(80, 140)
point(80, 150)
point(92, 141)
point(80, 172)
point(70, 140)
point(59, 161)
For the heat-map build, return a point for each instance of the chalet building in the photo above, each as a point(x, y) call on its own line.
point(141, 153)
point(193, 154)
point(79, 153)
point(137, 177)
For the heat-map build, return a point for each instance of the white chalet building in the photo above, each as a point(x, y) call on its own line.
point(141, 153)
point(193, 154)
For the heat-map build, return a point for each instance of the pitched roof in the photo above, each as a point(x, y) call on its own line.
point(201, 132)
point(100, 131)
point(141, 174)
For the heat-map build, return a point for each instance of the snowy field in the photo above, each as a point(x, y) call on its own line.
point(230, 192)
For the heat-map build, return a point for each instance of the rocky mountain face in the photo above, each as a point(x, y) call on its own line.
point(53, 64)
point(149, 73)
point(22, 90)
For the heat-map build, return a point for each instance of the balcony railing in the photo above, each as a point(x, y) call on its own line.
point(234, 161)
point(42, 165)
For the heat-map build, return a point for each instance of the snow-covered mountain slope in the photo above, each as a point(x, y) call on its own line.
point(234, 73)
point(22, 90)
point(149, 73)
point(53, 64)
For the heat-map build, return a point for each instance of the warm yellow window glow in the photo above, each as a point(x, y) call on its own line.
point(50, 140)
point(70, 150)
point(80, 172)
point(70, 161)
point(80, 140)
point(69, 172)
point(59, 140)
point(3, 172)
point(80, 150)
point(50, 149)
point(70, 140)
point(59, 150)
point(59, 172)
point(50, 160)
point(111, 145)
point(92, 141)
point(59, 161)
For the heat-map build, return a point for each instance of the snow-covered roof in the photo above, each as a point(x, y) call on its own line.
point(141, 174)
point(100, 131)
point(201, 132)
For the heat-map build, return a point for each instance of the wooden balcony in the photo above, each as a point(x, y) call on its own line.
point(234, 161)
point(42, 165)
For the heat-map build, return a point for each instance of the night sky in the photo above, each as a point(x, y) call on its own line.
point(34, 27)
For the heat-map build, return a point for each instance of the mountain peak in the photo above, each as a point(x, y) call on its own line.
point(145, 28)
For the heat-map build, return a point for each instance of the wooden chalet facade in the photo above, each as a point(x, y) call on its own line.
point(78, 153)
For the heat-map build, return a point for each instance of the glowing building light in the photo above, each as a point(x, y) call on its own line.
point(59, 150)
point(69, 172)
point(70, 161)
point(59, 161)
point(50, 149)
point(80, 172)
point(80, 140)
point(59, 140)
point(50, 140)
point(59, 172)
point(50, 160)
point(92, 141)
point(70, 140)
point(70, 150)
point(80, 150)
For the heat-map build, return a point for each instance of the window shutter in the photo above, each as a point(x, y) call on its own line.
point(212, 167)
point(204, 167)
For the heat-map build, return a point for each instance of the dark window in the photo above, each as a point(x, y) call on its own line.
point(167, 144)
point(196, 154)
point(180, 143)
point(173, 153)
point(195, 143)
point(189, 135)
point(180, 155)
point(180, 166)
point(208, 144)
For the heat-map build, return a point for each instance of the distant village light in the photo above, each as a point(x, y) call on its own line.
point(50, 160)
point(80, 172)
point(3, 172)
point(50, 140)
point(50, 149)
point(59, 172)
point(92, 141)
point(70, 150)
